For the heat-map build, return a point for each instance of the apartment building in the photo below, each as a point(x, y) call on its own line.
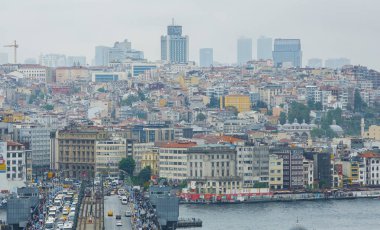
point(76, 151)
point(212, 169)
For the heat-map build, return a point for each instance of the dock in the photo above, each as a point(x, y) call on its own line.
point(189, 223)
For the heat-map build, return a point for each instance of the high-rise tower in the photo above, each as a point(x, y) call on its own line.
point(174, 46)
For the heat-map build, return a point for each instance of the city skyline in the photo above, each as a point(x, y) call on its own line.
point(323, 16)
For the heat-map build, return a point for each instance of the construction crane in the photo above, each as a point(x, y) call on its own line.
point(15, 46)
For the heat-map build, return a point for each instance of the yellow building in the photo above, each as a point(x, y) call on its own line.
point(241, 102)
point(150, 158)
point(351, 172)
point(186, 81)
point(64, 74)
point(373, 133)
point(275, 172)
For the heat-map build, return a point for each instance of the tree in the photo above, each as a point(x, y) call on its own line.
point(201, 117)
point(101, 90)
point(318, 106)
point(359, 104)
point(144, 175)
point(130, 100)
point(282, 118)
point(261, 105)
point(214, 102)
point(141, 95)
point(299, 111)
point(48, 107)
point(127, 164)
point(232, 109)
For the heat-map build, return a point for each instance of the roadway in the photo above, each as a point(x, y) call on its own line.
point(113, 203)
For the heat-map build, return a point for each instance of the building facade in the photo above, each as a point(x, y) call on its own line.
point(174, 46)
point(264, 48)
point(252, 164)
point(241, 102)
point(292, 166)
point(244, 50)
point(287, 51)
point(276, 172)
point(108, 155)
point(212, 169)
point(76, 151)
point(40, 147)
point(206, 57)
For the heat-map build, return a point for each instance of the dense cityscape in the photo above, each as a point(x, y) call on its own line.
point(124, 141)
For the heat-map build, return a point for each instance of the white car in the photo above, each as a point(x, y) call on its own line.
point(128, 213)
point(119, 223)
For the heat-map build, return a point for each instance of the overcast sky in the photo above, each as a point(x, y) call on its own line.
point(327, 28)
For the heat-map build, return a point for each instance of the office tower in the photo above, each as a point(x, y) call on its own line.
point(76, 61)
point(53, 60)
point(122, 51)
point(314, 63)
point(264, 48)
point(244, 50)
point(119, 53)
point(30, 61)
point(287, 52)
point(337, 63)
point(3, 58)
point(206, 57)
point(101, 55)
point(174, 46)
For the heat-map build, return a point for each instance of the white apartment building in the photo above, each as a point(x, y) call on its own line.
point(138, 150)
point(34, 72)
point(173, 160)
point(108, 154)
point(252, 164)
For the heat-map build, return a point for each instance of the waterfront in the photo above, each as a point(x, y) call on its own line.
point(333, 214)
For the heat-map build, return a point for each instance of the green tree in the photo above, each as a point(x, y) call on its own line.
point(261, 105)
point(232, 109)
point(128, 164)
point(130, 100)
point(101, 90)
point(48, 107)
point(359, 104)
point(214, 102)
point(201, 117)
point(299, 111)
point(282, 118)
point(318, 106)
point(141, 95)
point(145, 174)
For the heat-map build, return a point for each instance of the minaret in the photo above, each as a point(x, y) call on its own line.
point(362, 127)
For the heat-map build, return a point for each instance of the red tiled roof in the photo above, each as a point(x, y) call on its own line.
point(370, 154)
point(12, 143)
point(177, 144)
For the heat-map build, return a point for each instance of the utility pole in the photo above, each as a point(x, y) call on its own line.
point(15, 46)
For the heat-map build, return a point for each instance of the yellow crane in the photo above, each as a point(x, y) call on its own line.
point(15, 46)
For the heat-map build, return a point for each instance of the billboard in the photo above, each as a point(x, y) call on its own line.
point(3, 157)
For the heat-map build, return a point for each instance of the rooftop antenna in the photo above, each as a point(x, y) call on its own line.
point(173, 21)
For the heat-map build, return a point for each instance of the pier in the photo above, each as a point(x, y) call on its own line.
point(189, 223)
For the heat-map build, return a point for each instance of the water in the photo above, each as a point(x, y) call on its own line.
point(319, 215)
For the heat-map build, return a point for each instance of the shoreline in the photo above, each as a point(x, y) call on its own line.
point(293, 197)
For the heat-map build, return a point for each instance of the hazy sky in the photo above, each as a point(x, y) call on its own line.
point(327, 28)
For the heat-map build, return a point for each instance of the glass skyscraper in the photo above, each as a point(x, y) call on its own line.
point(287, 51)
point(264, 48)
point(174, 46)
point(244, 50)
point(206, 58)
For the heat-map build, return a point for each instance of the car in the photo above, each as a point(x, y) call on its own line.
point(128, 213)
point(110, 213)
point(119, 223)
point(118, 217)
